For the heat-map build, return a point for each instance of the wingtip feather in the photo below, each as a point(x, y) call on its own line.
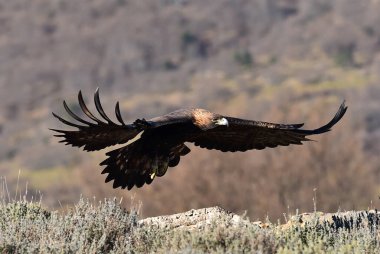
point(67, 122)
point(85, 110)
point(99, 107)
point(327, 127)
point(118, 114)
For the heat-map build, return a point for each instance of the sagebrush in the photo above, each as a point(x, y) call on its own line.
point(106, 227)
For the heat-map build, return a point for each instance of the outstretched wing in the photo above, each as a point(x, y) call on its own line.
point(98, 134)
point(243, 135)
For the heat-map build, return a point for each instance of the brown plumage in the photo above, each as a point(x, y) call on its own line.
point(162, 140)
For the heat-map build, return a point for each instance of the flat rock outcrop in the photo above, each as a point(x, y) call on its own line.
point(195, 219)
point(198, 219)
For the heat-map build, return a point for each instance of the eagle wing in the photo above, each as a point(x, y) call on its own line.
point(98, 134)
point(243, 135)
point(133, 164)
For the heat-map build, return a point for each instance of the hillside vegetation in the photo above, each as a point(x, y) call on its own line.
point(272, 60)
point(105, 227)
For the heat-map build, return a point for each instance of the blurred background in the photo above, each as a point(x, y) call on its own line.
point(286, 61)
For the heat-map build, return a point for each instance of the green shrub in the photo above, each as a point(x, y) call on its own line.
point(244, 58)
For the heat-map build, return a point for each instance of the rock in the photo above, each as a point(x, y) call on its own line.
point(346, 220)
point(195, 219)
point(200, 218)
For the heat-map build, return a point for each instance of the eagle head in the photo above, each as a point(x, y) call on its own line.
point(206, 120)
point(221, 121)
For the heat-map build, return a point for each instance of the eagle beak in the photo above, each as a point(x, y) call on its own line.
point(222, 121)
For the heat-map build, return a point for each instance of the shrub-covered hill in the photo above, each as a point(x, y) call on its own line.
point(105, 227)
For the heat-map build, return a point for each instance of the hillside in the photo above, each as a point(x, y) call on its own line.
point(280, 61)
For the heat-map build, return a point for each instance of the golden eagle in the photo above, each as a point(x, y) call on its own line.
point(162, 139)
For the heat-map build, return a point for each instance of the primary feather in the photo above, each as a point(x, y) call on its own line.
point(161, 143)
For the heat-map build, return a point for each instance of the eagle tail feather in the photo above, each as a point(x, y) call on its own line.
point(132, 165)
